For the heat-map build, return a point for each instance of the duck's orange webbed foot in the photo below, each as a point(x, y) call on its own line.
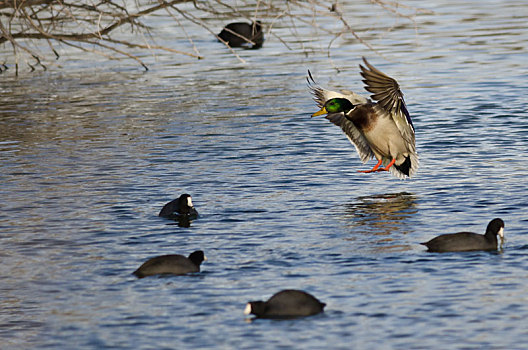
point(377, 167)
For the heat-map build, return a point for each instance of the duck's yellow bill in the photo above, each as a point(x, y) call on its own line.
point(320, 112)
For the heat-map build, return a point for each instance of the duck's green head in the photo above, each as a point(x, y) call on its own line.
point(335, 105)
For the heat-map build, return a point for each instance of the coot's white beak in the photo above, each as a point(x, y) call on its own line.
point(501, 233)
point(189, 202)
point(247, 310)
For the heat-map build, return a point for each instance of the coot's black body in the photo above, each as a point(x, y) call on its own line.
point(288, 303)
point(468, 241)
point(173, 264)
point(251, 31)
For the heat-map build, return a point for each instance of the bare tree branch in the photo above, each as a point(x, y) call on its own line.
point(93, 24)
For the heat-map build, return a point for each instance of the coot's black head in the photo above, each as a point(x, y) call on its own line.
point(197, 257)
point(185, 204)
point(495, 227)
point(255, 307)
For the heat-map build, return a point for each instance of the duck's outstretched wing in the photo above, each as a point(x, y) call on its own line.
point(354, 136)
point(322, 95)
point(386, 91)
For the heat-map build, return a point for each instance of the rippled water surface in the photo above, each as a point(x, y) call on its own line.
point(90, 155)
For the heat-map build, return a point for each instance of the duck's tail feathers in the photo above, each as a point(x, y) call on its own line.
point(404, 167)
point(407, 168)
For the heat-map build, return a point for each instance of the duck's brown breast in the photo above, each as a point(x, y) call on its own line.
point(364, 117)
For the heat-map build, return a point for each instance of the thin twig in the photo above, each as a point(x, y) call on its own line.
point(95, 22)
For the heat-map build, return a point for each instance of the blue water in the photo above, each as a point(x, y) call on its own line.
point(89, 156)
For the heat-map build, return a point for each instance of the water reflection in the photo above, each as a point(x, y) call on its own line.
point(381, 215)
point(181, 221)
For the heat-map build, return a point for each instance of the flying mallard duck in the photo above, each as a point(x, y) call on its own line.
point(381, 129)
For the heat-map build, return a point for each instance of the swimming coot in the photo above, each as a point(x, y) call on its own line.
point(235, 34)
point(178, 208)
point(174, 264)
point(468, 241)
point(288, 303)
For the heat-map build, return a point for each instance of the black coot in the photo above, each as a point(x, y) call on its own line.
point(181, 207)
point(174, 264)
point(288, 303)
point(468, 241)
point(251, 31)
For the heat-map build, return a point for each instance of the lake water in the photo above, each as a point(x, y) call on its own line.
point(90, 155)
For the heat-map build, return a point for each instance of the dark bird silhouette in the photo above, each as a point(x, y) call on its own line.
point(240, 34)
point(181, 207)
point(288, 303)
point(174, 264)
point(468, 241)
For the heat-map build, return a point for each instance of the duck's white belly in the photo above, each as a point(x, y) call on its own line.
point(385, 139)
